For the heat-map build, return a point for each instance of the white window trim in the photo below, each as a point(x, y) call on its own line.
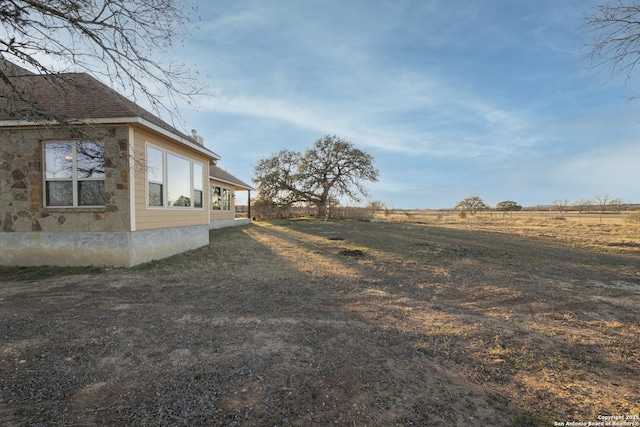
point(165, 167)
point(74, 175)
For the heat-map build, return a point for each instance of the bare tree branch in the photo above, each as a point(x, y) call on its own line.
point(616, 43)
point(124, 42)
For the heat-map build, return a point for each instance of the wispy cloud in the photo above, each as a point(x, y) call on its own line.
point(414, 116)
point(489, 97)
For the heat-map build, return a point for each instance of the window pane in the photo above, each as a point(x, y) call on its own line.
point(58, 159)
point(155, 194)
point(90, 193)
point(59, 193)
point(197, 198)
point(215, 198)
point(154, 165)
point(178, 181)
point(197, 176)
point(226, 199)
point(90, 159)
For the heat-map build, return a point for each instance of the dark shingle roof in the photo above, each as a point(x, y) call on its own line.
point(10, 69)
point(74, 96)
point(224, 176)
point(66, 97)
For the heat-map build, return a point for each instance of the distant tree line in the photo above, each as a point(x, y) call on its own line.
point(600, 203)
point(469, 206)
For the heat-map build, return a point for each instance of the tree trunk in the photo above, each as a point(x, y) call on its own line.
point(322, 209)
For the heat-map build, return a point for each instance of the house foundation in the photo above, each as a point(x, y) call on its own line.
point(223, 223)
point(117, 249)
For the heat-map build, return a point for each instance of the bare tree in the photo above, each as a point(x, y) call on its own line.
point(333, 168)
point(616, 28)
point(601, 200)
point(617, 204)
point(582, 205)
point(122, 42)
point(376, 206)
point(561, 205)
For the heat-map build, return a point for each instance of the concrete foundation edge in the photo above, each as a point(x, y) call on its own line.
point(115, 249)
point(232, 222)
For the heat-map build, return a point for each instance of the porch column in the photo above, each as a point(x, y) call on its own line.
point(249, 204)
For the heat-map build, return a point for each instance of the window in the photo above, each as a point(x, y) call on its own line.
point(172, 180)
point(74, 173)
point(226, 199)
point(155, 176)
point(220, 198)
point(216, 198)
point(178, 181)
point(197, 185)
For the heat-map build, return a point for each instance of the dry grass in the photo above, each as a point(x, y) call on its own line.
point(520, 217)
point(617, 230)
point(309, 323)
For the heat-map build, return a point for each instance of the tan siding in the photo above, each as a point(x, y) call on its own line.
point(222, 215)
point(153, 218)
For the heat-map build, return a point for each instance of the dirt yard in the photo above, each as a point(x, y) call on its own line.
point(302, 323)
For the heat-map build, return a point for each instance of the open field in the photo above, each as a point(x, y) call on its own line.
point(614, 230)
point(302, 322)
point(517, 218)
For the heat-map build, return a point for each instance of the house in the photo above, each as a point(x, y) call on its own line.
point(88, 177)
point(223, 198)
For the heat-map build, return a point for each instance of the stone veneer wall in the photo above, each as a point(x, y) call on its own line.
point(21, 183)
point(32, 234)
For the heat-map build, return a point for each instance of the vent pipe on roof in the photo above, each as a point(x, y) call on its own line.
point(197, 138)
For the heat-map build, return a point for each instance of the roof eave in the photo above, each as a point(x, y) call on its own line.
point(201, 148)
point(235, 184)
point(119, 120)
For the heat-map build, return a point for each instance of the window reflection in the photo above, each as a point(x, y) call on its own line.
point(173, 180)
point(216, 198)
point(90, 193)
point(90, 159)
point(197, 185)
point(226, 199)
point(154, 165)
point(155, 176)
point(59, 193)
point(178, 181)
point(74, 173)
point(58, 159)
point(220, 198)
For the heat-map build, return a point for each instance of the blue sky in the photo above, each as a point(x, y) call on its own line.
point(453, 99)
